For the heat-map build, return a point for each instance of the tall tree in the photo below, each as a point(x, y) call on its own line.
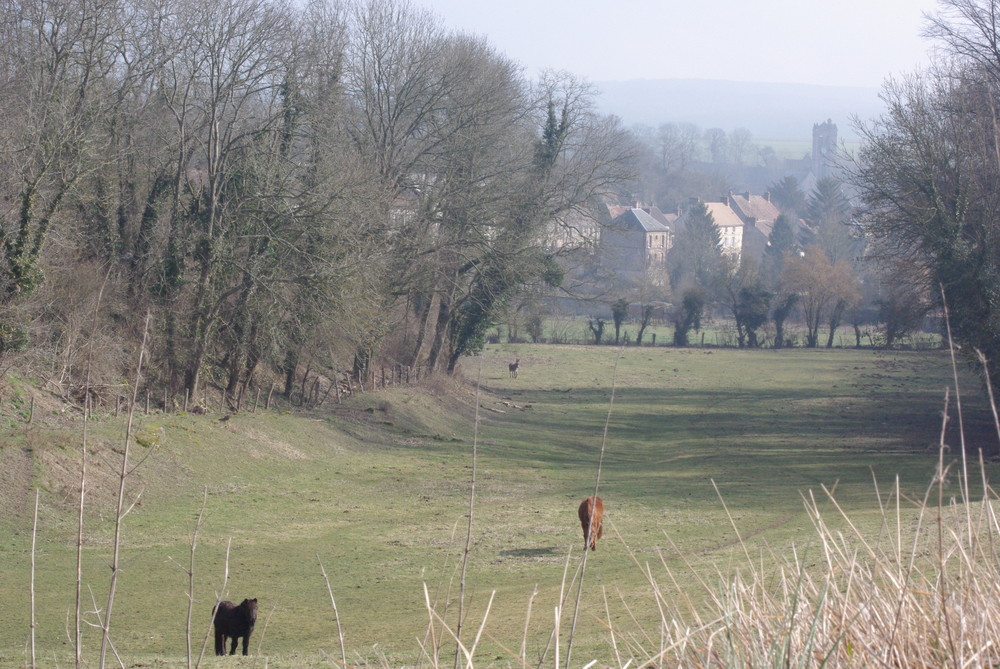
point(828, 212)
point(718, 145)
point(740, 145)
point(743, 291)
point(824, 289)
point(788, 196)
point(780, 244)
point(928, 171)
point(240, 67)
point(576, 154)
point(903, 302)
point(782, 306)
point(56, 59)
point(687, 315)
point(696, 255)
point(619, 312)
point(677, 146)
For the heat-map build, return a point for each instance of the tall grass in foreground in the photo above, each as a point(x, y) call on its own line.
point(919, 594)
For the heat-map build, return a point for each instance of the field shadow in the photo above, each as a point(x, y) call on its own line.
point(544, 552)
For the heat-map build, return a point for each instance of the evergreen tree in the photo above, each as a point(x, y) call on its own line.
point(780, 243)
point(696, 257)
point(782, 237)
point(829, 214)
point(787, 196)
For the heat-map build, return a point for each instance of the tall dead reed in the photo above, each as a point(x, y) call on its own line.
point(121, 511)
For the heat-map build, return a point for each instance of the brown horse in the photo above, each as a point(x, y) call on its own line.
point(591, 514)
point(512, 367)
point(234, 621)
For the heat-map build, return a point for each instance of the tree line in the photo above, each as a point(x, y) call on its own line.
point(339, 186)
point(812, 266)
point(928, 172)
point(325, 184)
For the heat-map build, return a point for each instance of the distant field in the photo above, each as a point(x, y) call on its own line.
point(378, 490)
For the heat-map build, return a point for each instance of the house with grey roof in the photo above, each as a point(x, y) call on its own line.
point(634, 243)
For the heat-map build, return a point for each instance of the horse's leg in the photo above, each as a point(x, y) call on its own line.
point(236, 640)
point(246, 641)
point(220, 643)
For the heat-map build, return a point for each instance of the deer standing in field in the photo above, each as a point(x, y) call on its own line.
point(591, 514)
point(512, 367)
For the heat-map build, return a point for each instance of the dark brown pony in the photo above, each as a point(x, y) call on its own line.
point(234, 621)
point(591, 514)
point(512, 367)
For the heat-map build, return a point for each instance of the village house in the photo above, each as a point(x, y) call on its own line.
point(730, 227)
point(634, 243)
point(758, 215)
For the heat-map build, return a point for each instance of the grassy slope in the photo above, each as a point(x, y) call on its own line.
point(377, 489)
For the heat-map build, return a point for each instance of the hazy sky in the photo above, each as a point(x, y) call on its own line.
point(831, 42)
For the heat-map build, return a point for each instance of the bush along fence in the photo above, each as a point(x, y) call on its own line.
point(309, 391)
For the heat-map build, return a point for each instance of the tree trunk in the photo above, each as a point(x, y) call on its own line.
point(440, 332)
point(423, 317)
point(290, 365)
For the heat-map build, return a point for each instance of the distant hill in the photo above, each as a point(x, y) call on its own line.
point(769, 111)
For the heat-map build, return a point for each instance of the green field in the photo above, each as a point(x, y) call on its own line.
point(378, 490)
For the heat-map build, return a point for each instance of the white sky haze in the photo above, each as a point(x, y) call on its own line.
point(833, 42)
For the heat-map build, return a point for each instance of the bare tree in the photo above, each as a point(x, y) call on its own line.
point(56, 57)
point(928, 171)
point(678, 145)
point(824, 289)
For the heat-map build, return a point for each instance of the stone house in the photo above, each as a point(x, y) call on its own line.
point(634, 243)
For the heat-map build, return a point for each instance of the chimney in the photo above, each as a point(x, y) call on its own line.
point(747, 195)
point(767, 195)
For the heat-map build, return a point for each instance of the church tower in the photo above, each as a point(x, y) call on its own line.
point(824, 148)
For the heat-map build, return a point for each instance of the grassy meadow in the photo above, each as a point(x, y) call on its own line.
point(377, 490)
